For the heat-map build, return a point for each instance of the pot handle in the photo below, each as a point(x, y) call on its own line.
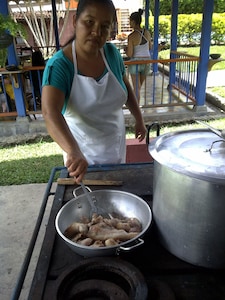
point(217, 141)
point(149, 128)
point(138, 243)
point(80, 188)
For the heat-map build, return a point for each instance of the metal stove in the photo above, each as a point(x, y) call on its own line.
point(149, 266)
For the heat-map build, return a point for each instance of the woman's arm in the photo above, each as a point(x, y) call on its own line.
point(130, 47)
point(52, 103)
point(132, 105)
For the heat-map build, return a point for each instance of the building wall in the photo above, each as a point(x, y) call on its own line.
point(131, 5)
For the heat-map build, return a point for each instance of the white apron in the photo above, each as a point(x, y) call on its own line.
point(95, 117)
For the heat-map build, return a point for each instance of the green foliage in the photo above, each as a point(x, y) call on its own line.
point(190, 7)
point(187, 6)
point(219, 6)
point(3, 57)
point(189, 28)
point(9, 26)
point(14, 28)
point(164, 26)
point(218, 28)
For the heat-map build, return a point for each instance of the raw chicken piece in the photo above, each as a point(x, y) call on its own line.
point(104, 232)
point(76, 228)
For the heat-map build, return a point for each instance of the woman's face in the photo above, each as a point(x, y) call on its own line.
point(93, 27)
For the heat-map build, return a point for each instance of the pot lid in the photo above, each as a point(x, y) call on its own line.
point(199, 153)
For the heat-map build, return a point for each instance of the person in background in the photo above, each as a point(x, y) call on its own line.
point(7, 99)
point(3, 104)
point(37, 60)
point(84, 91)
point(138, 48)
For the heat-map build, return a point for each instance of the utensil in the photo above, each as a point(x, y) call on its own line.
point(221, 134)
point(71, 181)
point(94, 208)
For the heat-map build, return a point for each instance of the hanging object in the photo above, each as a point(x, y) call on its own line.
point(5, 40)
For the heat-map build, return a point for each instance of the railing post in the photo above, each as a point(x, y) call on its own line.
point(55, 24)
point(17, 84)
point(13, 60)
point(202, 71)
point(172, 75)
point(147, 14)
point(156, 34)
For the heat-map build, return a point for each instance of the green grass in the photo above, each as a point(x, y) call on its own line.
point(32, 162)
point(218, 90)
point(196, 50)
point(29, 163)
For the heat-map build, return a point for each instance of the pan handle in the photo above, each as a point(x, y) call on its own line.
point(80, 188)
point(138, 243)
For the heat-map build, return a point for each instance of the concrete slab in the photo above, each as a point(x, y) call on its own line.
point(19, 209)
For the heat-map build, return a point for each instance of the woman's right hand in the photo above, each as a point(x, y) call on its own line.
point(77, 166)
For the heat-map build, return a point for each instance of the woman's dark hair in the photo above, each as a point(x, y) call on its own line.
point(136, 16)
point(82, 4)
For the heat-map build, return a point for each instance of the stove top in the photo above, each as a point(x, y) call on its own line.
point(166, 276)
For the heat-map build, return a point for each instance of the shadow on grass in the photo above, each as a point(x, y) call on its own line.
point(28, 170)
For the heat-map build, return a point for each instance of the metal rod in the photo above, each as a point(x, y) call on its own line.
point(19, 284)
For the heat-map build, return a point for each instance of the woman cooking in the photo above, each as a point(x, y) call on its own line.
point(84, 90)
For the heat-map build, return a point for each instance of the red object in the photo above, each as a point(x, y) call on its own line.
point(137, 151)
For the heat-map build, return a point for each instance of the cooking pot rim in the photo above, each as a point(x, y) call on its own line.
point(188, 152)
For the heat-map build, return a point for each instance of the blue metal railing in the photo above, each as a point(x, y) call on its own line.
point(31, 78)
point(160, 88)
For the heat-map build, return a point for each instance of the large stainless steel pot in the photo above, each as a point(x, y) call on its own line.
point(112, 201)
point(189, 195)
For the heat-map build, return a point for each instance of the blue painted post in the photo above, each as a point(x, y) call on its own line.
point(55, 23)
point(156, 35)
point(13, 60)
point(202, 71)
point(146, 14)
point(173, 40)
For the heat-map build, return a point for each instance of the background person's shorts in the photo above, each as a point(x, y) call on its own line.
point(142, 69)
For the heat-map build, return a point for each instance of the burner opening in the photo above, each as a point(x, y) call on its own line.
point(107, 274)
point(97, 290)
point(98, 276)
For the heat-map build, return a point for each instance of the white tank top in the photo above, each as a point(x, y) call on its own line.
point(142, 50)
